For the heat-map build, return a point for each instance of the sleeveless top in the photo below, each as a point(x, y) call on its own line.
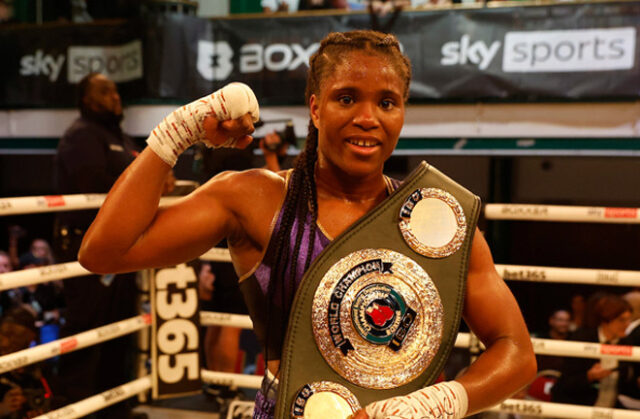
point(254, 285)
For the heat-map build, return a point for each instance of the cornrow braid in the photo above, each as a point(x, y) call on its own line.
point(301, 202)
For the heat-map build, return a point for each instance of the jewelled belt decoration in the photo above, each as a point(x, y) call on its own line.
point(324, 399)
point(432, 222)
point(377, 318)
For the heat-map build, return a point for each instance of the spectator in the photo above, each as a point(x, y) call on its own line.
point(8, 298)
point(558, 329)
point(24, 392)
point(45, 299)
point(40, 249)
point(633, 298)
point(5, 262)
point(379, 9)
point(633, 339)
point(15, 234)
point(578, 314)
point(91, 155)
point(6, 11)
point(589, 381)
point(292, 6)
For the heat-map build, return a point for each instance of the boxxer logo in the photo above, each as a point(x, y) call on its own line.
point(463, 52)
point(215, 58)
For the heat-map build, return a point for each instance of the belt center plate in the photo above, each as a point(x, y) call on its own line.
point(377, 318)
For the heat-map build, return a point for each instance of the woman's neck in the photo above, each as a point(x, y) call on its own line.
point(334, 184)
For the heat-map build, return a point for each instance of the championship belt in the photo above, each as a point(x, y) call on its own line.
point(378, 311)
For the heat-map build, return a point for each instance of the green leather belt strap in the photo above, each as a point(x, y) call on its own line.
point(302, 362)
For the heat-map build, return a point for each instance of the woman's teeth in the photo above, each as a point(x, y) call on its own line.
point(362, 143)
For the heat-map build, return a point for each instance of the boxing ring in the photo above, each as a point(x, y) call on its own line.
point(141, 323)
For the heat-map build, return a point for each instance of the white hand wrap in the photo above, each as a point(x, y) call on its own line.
point(184, 126)
point(447, 400)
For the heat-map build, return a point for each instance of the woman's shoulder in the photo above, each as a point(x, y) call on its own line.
point(247, 186)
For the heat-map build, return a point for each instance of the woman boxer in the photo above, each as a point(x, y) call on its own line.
point(276, 223)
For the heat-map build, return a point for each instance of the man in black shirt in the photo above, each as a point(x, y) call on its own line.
point(93, 151)
point(91, 155)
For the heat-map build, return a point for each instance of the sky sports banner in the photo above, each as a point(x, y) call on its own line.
point(564, 51)
point(43, 64)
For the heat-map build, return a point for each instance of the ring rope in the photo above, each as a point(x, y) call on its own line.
point(564, 213)
point(42, 274)
point(561, 410)
point(231, 379)
point(521, 272)
point(463, 340)
point(569, 275)
point(526, 407)
point(57, 203)
point(620, 278)
point(210, 318)
point(81, 340)
point(100, 401)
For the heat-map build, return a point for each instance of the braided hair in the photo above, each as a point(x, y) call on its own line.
point(301, 201)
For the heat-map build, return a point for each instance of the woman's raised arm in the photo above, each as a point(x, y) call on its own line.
point(130, 231)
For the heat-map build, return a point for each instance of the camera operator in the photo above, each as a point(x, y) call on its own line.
point(274, 149)
point(274, 145)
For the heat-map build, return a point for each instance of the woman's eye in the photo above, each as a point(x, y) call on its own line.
point(386, 104)
point(345, 100)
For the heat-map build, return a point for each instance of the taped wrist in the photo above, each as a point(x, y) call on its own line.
point(185, 126)
point(447, 400)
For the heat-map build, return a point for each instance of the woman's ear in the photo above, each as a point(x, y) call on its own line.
point(313, 110)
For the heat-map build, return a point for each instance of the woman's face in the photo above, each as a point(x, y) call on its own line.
point(40, 248)
point(359, 114)
point(618, 326)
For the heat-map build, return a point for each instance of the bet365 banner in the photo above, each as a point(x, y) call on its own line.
point(175, 332)
point(563, 51)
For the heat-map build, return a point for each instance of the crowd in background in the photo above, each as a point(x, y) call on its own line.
point(24, 11)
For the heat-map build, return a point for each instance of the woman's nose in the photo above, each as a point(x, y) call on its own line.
point(365, 116)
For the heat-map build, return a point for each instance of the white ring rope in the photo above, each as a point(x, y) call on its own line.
point(585, 349)
point(565, 213)
point(521, 272)
point(81, 340)
point(100, 401)
point(526, 407)
point(47, 273)
point(210, 318)
point(231, 379)
point(561, 410)
point(217, 254)
point(620, 278)
point(463, 340)
point(569, 275)
point(57, 203)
